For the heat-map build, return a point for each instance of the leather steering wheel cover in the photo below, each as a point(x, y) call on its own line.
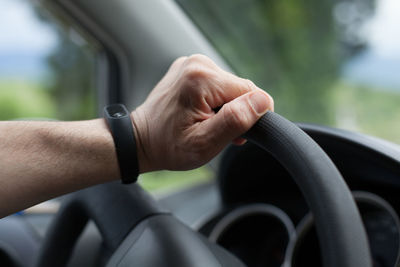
point(339, 226)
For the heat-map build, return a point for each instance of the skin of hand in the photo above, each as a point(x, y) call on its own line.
point(176, 127)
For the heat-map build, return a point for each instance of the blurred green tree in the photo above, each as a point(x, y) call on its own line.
point(71, 68)
point(288, 47)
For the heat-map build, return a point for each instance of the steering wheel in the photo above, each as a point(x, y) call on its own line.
point(137, 232)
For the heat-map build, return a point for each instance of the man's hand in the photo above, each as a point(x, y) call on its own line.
point(176, 127)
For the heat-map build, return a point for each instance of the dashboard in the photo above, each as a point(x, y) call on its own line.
point(265, 221)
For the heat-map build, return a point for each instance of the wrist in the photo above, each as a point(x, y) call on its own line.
point(140, 131)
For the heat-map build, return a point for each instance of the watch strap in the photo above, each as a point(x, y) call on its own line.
point(121, 127)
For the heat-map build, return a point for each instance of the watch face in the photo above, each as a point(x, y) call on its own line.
point(117, 111)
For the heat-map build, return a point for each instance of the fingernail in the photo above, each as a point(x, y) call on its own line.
point(259, 102)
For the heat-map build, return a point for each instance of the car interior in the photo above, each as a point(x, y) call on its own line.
point(296, 194)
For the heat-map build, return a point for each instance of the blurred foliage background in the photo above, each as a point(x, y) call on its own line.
point(296, 50)
point(72, 76)
point(64, 89)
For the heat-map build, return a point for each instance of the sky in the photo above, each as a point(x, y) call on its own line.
point(380, 64)
point(384, 29)
point(24, 41)
point(22, 32)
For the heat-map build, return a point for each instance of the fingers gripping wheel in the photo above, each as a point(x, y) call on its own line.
point(339, 226)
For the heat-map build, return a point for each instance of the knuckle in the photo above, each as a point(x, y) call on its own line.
point(179, 60)
point(197, 58)
point(194, 72)
point(192, 81)
point(235, 119)
point(196, 77)
point(177, 63)
point(271, 101)
point(250, 85)
point(197, 68)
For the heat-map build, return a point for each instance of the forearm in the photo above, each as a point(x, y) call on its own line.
point(176, 128)
point(41, 160)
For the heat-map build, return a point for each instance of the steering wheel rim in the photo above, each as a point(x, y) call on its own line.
point(339, 226)
point(117, 209)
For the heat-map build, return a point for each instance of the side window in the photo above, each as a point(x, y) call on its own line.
point(47, 70)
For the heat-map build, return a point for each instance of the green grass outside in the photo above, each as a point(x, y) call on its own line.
point(174, 180)
point(25, 99)
point(373, 111)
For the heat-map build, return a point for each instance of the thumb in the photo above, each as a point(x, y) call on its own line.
point(238, 116)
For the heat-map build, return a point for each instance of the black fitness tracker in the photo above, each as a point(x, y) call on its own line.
point(119, 121)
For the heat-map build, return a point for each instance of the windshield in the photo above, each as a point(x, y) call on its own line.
point(335, 63)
